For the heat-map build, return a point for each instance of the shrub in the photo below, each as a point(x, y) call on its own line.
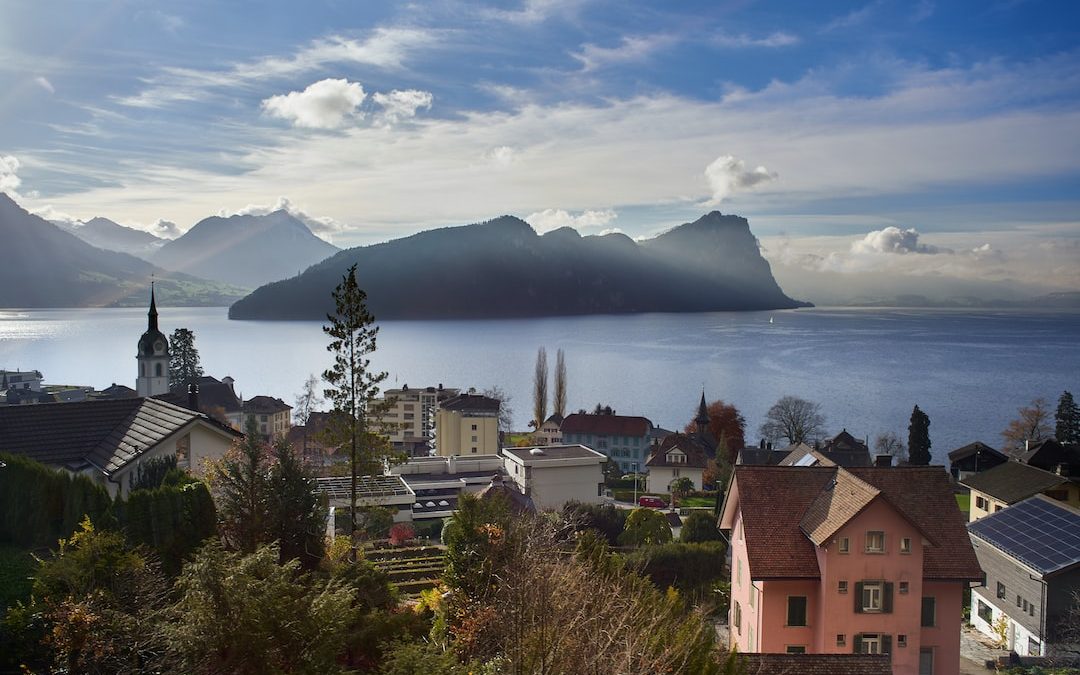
point(607, 519)
point(402, 533)
point(699, 526)
point(645, 526)
point(693, 569)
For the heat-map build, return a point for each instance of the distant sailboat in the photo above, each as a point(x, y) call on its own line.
point(770, 319)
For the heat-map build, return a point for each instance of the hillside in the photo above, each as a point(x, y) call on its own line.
point(244, 250)
point(503, 268)
point(44, 266)
point(112, 236)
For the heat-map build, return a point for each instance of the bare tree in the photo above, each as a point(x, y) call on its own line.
point(889, 443)
point(1034, 425)
point(558, 397)
point(306, 402)
point(794, 419)
point(540, 388)
point(506, 413)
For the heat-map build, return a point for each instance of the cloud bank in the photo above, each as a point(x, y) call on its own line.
point(894, 240)
point(323, 226)
point(553, 219)
point(728, 175)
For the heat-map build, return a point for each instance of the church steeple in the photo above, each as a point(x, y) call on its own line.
point(702, 419)
point(153, 356)
point(152, 314)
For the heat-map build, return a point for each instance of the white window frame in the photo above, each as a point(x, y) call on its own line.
point(871, 591)
point(871, 644)
point(871, 538)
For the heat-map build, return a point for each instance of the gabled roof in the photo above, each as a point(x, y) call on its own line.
point(471, 403)
point(691, 446)
point(1040, 532)
point(105, 434)
point(1013, 481)
point(804, 456)
point(756, 456)
point(832, 453)
point(774, 500)
point(843, 498)
point(606, 425)
point(265, 405)
point(974, 448)
point(818, 664)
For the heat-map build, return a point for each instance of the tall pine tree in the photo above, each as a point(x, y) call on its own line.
point(184, 366)
point(919, 438)
point(1067, 418)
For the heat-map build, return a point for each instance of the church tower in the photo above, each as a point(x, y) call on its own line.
point(702, 419)
point(153, 356)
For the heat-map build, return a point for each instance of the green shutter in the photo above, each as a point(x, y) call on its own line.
point(886, 598)
point(856, 643)
point(886, 644)
point(858, 597)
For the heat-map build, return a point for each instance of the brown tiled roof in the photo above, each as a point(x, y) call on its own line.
point(106, 434)
point(264, 405)
point(605, 425)
point(775, 499)
point(818, 664)
point(471, 403)
point(842, 499)
point(696, 457)
point(1013, 481)
point(971, 449)
point(797, 457)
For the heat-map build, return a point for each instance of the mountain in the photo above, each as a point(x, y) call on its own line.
point(111, 236)
point(44, 266)
point(503, 268)
point(245, 250)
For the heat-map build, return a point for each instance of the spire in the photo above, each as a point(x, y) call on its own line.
point(702, 418)
point(153, 309)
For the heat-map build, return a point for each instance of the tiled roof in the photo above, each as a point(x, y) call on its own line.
point(775, 499)
point(605, 425)
point(107, 434)
point(756, 456)
point(971, 449)
point(838, 502)
point(696, 457)
point(471, 403)
point(818, 664)
point(806, 456)
point(1013, 481)
point(265, 405)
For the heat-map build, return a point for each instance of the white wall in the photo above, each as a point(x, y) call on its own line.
point(551, 487)
point(1020, 635)
point(660, 477)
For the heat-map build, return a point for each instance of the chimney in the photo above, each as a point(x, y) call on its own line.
point(883, 461)
point(768, 446)
point(762, 444)
point(193, 396)
point(451, 464)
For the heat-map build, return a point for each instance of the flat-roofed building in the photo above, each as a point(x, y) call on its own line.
point(467, 424)
point(409, 418)
point(555, 474)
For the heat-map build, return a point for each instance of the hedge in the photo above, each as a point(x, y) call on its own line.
point(690, 568)
point(172, 520)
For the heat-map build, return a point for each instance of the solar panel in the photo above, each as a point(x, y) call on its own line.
point(1036, 531)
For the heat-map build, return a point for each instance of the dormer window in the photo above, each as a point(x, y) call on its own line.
point(676, 457)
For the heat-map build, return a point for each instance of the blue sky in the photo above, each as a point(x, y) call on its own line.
point(835, 127)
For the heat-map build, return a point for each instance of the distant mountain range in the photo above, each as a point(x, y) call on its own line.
point(503, 268)
point(244, 250)
point(111, 236)
point(44, 266)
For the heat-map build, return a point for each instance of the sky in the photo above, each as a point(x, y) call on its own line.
point(877, 147)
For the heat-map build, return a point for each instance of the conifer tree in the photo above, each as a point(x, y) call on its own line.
point(184, 366)
point(919, 438)
point(1067, 418)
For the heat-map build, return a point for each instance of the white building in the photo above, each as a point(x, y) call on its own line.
point(555, 474)
point(152, 357)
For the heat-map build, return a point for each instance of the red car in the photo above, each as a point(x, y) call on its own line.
point(651, 502)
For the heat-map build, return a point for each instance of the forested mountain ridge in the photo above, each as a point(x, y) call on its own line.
point(503, 268)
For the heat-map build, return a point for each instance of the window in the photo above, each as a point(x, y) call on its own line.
point(1026, 605)
point(474, 451)
point(841, 587)
point(841, 639)
point(905, 545)
point(873, 596)
point(904, 587)
point(984, 612)
point(901, 641)
point(1018, 601)
point(738, 618)
point(262, 418)
point(474, 439)
point(981, 503)
point(753, 592)
point(1033, 647)
point(868, 644)
point(997, 508)
point(796, 649)
point(842, 545)
point(1000, 591)
point(157, 369)
point(474, 427)
point(875, 542)
point(1031, 609)
point(929, 611)
point(796, 610)
point(738, 572)
point(183, 450)
point(926, 661)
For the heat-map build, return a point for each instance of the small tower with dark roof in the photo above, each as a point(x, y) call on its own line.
point(153, 356)
point(702, 419)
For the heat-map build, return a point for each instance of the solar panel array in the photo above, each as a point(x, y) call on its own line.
point(1035, 531)
point(367, 487)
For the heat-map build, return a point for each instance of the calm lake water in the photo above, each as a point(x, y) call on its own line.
point(969, 370)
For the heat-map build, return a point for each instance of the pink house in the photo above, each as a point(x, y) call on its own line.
point(827, 560)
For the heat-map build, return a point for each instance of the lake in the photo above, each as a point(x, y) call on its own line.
point(969, 370)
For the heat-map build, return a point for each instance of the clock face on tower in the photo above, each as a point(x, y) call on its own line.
point(159, 346)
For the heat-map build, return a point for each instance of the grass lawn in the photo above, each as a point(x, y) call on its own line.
point(16, 566)
point(698, 501)
point(964, 502)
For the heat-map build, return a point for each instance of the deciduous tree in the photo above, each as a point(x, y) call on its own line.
point(1032, 425)
point(307, 401)
point(352, 384)
point(1067, 420)
point(184, 366)
point(727, 426)
point(919, 438)
point(506, 413)
point(699, 526)
point(540, 388)
point(889, 443)
point(794, 419)
point(645, 527)
point(679, 488)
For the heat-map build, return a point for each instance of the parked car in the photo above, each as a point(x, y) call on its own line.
point(651, 502)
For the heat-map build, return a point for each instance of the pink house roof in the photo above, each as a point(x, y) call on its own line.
point(782, 506)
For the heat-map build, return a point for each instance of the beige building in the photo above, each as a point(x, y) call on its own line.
point(410, 415)
point(467, 424)
point(1006, 484)
point(552, 475)
point(677, 456)
point(550, 432)
point(272, 416)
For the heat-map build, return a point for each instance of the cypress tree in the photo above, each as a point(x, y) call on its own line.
point(919, 438)
point(1067, 418)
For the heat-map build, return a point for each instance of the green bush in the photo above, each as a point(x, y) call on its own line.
point(429, 529)
point(607, 519)
point(172, 520)
point(699, 526)
point(693, 569)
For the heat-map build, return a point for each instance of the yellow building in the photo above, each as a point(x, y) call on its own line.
point(410, 413)
point(467, 424)
point(994, 489)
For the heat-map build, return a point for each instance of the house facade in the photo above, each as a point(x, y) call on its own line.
point(625, 439)
point(467, 424)
point(1013, 482)
point(1031, 555)
point(410, 413)
point(973, 458)
point(272, 416)
point(677, 456)
point(550, 432)
point(828, 560)
point(552, 475)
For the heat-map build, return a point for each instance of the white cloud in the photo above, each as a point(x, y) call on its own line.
point(894, 240)
point(45, 84)
point(9, 179)
point(630, 49)
point(610, 230)
point(326, 104)
point(728, 175)
point(323, 226)
point(776, 39)
point(165, 229)
point(535, 11)
point(401, 105)
point(552, 219)
point(386, 48)
point(504, 155)
point(853, 18)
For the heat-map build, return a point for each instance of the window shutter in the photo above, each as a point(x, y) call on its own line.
point(856, 643)
point(886, 644)
point(886, 599)
point(858, 597)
